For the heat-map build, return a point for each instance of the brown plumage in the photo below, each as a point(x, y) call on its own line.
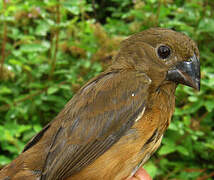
point(116, 121)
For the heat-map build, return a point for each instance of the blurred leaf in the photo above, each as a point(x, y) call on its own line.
point(206, 25)
point(151, 169)
point(183, 150)
point(166, 149)
point(29, 48)
point(52, 90)
point(42, 29)
point(4, 160)
point(209, 105)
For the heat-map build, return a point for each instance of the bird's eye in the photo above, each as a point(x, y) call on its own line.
point(164, 52)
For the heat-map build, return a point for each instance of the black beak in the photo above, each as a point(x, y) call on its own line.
point(186, 72)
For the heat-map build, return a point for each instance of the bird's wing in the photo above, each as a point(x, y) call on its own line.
point(95, 118)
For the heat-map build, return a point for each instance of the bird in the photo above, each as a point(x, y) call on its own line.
point(116, 121)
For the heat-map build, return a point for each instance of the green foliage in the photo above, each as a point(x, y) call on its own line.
point(50, 48)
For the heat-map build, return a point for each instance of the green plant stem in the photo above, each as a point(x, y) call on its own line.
point(53, 65)
point(206, 176)
point(5, 107)
point(3, 44)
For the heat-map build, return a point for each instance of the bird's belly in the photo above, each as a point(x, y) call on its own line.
point(151, 148)
point(115, 164)
point(118, 163)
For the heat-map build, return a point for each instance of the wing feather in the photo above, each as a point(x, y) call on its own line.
point(96, 117)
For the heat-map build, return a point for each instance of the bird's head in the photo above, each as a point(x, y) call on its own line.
point(164, 55)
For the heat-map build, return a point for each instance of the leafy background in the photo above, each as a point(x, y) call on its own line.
point(50, 48)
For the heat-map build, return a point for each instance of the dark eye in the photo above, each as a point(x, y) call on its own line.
point(164, 52)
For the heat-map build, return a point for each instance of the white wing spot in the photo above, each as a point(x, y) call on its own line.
point(140, 115)
point(133, 94)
